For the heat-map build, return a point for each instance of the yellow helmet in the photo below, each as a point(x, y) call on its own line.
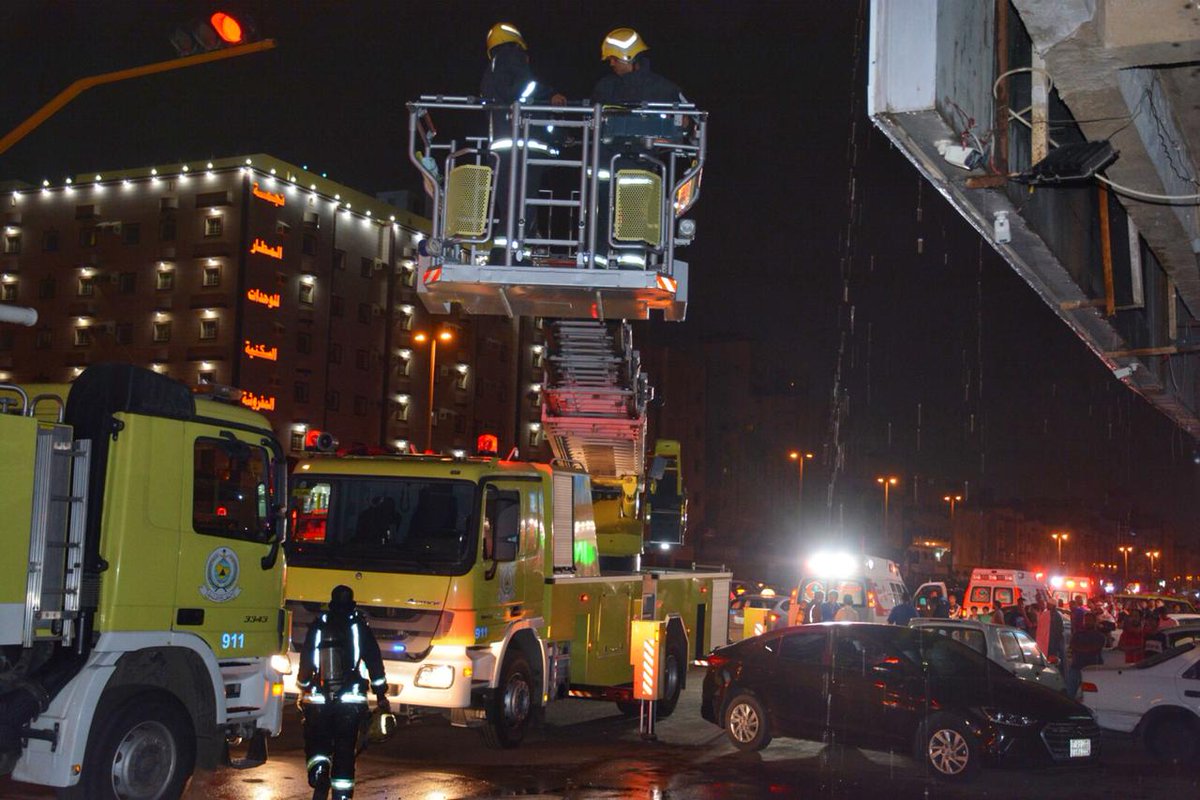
point(622, 43)
point(502, 33)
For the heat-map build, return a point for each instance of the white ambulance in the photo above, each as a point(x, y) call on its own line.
point(873, 583)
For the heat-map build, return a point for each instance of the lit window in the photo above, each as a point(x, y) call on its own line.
point(308, 292)
point(83, 337)
point(208, 329)
point(404, 365)
point(12, 243)
point(8, 292)
point(208, 376)
point(164, 281)
point(213, 227)
point(401, 414)
point(162, 331)
point(408, 276)
point(87, 286)
point(460, 379)
point(212, 276)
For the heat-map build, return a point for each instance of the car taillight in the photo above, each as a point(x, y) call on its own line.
point(1089, 687)
point(716, 660)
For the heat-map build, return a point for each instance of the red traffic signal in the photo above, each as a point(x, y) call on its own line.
point(220, 29)
point(228, 29)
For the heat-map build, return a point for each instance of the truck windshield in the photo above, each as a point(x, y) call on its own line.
point(383, 524)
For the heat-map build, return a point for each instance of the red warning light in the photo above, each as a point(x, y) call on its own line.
point(487, 444)
point(310, 438)
point(227, 27)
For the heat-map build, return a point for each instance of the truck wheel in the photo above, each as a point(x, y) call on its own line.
point(674, 672)
point(144, 749)
point(510, 709)
point(674, 669)
point(948, 748)
point(746, 723)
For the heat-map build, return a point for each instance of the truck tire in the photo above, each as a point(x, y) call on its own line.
point(511, 707)
point(674, 671)
point(144, 749)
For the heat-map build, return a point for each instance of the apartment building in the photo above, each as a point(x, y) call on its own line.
point(252, 272)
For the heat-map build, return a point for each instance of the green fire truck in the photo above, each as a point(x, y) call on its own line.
point(142, 626)
point(483, 582)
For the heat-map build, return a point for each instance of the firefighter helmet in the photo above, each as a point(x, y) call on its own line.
point(623, 43)
point(502, 33)
point(341, 599)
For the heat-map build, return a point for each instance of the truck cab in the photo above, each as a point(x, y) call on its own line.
point(142, 625)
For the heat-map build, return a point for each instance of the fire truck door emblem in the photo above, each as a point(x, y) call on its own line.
point(221, 576)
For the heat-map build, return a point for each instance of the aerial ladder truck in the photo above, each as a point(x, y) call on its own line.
point(497, 586)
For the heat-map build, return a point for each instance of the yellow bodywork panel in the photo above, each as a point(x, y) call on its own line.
point(468, 195)
point(18, 445)
point(162, 573)
point(638, 207)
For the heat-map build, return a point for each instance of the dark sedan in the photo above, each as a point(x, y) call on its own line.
point(887, 686)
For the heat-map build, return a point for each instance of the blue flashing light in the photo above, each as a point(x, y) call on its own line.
point(398, 648)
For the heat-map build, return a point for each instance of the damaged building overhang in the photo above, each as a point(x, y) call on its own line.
point(1127, 72)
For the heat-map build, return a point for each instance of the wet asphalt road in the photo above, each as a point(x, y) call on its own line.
point(588, 751)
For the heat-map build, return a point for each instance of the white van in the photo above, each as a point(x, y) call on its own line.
point(873, 583)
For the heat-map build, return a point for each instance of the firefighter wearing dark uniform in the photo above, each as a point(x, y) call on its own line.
point(631, 83)
point(632, 80)
point(507, 79)
point(334, 692)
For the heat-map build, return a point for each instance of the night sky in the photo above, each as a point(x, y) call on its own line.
point(1009, 401)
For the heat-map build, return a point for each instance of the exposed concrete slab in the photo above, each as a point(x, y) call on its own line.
point(1095, 67)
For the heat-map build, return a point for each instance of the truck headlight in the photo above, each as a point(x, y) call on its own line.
point(435, 676)
point(281, 664)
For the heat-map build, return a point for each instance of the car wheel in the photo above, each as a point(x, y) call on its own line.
point(1173, 739)
point(746, 723)
point(946, 746)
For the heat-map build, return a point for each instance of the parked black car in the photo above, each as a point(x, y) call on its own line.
point(887, 686)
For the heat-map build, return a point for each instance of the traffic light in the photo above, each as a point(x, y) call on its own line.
point(218, 29)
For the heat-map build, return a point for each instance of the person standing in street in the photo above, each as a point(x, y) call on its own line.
point(334, 694)
point(903, 612)
point(829, 608)
point(1087, 649)
point(847, 612)
point(817, 606)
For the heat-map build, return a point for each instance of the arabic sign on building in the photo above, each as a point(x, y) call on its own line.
point(260, 246)
point(259, 402)
point(262, 298)
point(274, 198)
point(261, 351)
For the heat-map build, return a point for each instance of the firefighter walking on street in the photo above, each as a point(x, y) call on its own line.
point(334, 693)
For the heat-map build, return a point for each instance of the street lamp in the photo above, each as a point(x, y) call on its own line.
point(421, 338)
point(800, 457)
point(1126, 549)
point(887, 483)
point(1152, 554)
point(953, 500)
point(1060, 538)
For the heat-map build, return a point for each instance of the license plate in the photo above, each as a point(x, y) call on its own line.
point(1081, 748)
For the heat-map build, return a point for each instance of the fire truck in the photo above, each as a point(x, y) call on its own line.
point(142, 627)
point(497, 586)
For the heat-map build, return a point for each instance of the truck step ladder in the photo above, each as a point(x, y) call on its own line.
point(56, 541)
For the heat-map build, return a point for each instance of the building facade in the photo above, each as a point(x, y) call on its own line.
point(259, 274)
